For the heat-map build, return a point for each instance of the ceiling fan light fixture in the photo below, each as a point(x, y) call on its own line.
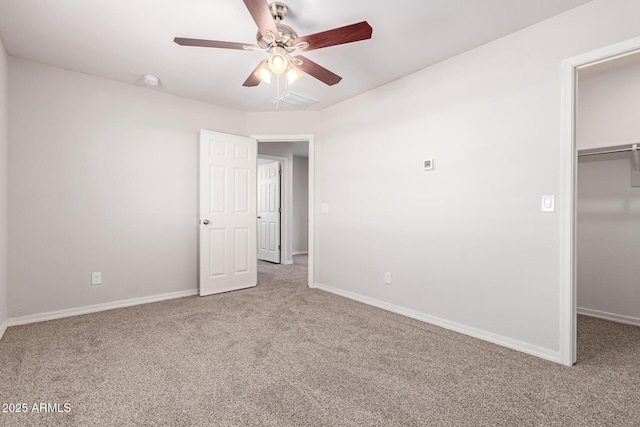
point(278, 62)
point(264, 74)
point(293, 74)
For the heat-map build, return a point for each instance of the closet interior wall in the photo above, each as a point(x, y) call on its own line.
point(608, 206)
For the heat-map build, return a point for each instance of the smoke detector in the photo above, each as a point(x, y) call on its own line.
point(150, 80)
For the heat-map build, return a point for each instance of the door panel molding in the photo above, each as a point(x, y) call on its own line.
point(269, 203)
point(227, 209)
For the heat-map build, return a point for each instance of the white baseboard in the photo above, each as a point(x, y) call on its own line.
point(51, 315)
point(524, 347)
point(3, 328)
point(299, 253)
point(609, 316)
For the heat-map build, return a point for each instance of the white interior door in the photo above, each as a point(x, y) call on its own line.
point(227, 212)
point(269, 212)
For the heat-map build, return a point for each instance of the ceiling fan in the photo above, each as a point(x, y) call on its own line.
point(280, 41)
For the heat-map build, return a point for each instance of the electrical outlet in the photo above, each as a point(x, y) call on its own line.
point(387, 277)
point(96, 278)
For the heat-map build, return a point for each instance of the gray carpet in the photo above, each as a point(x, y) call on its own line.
point(284, 355)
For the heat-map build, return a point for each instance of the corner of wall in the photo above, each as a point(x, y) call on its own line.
point(155, 153)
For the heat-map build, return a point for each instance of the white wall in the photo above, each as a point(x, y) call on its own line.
point(281, 123)
point(300, 204)
point(103, 178)
point(608, 247)
point(279, 149)
point(4, 174)
point(466, 242)
point(608, 107)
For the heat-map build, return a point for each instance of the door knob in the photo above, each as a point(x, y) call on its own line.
point(205, 222)
point(259, 217)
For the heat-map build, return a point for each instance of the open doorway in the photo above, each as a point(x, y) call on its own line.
point(607, 200)
point(294, 157)
point(595, 204)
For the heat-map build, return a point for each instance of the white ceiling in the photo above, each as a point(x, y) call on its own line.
point(124, 39)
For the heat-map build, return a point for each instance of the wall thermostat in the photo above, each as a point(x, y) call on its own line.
point(428, 164)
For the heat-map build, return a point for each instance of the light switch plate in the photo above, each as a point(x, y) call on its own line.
point(548, 204)
point(325, 208)
point(427, 164)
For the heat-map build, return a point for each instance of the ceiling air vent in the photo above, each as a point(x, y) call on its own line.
point(293, 101)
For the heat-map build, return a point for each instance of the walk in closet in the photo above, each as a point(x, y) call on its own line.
point(608, 190)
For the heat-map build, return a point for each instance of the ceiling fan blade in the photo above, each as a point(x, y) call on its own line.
point(314, 70)
point(210, 43)
point(347, 34)
point(254, 79)
point(260, 12)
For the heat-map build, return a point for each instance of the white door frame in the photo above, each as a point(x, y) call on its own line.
point(293, 138)
point(568, 190)
point(285, 191)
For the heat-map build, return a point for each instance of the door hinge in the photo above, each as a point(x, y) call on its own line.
point(280, 172)
point(279, 210)
point(278, 247)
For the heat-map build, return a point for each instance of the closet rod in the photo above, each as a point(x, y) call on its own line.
point(619, 150)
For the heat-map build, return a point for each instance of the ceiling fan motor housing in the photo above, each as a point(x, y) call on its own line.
point(287, 36)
